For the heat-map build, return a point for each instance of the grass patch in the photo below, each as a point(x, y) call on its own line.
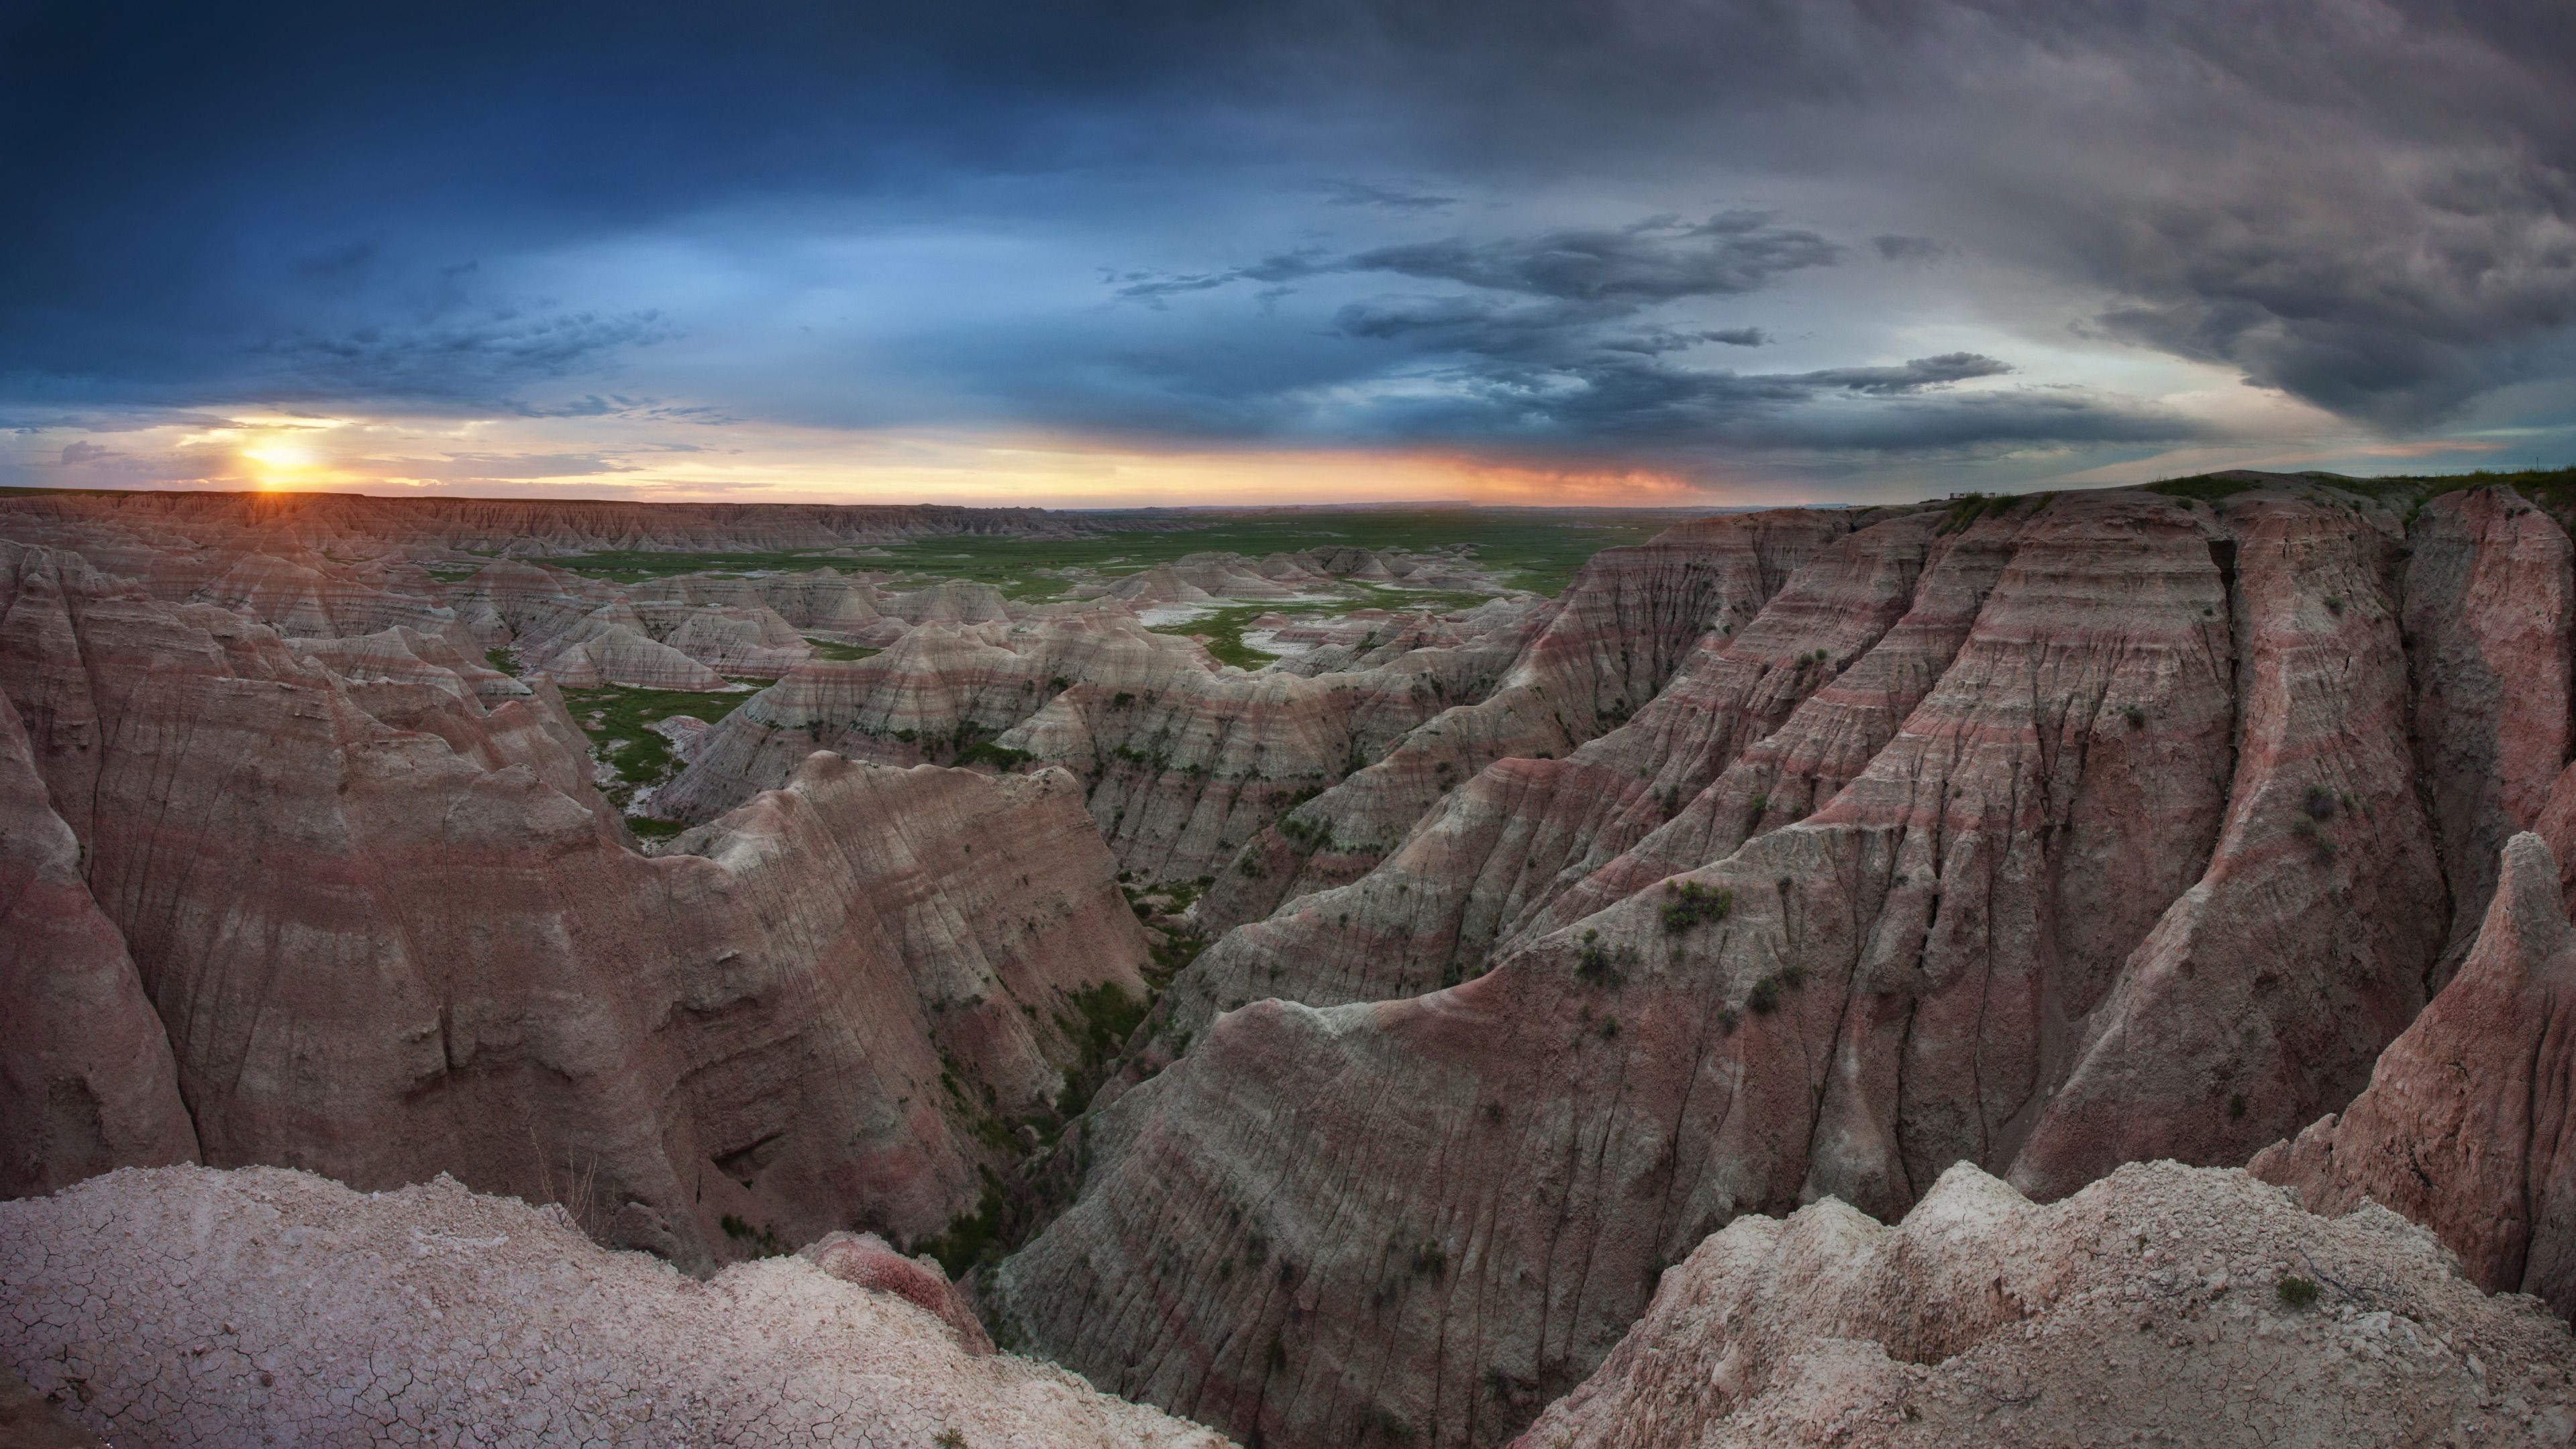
point(1535, 549)
point(970, 1237)
point(634, 566)
point(1224, 631)
point(831, 649)
point(500, 659)
point(618, 721)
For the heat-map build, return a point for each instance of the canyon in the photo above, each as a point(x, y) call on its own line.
point(1797, 975)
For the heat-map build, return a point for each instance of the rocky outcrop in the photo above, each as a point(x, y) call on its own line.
point(2265, 993)
point(86, 1080)
point(870, 1262)
point(385, 945)
point(1496, 852)
point(187, 1306)
point(2469, 1123)
point(1623, 626)
point(2490, 610)
point(2160, 1305)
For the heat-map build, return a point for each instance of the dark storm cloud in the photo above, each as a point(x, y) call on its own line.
point(1392, 198)
point(474, 360)
point(2367, 204)
point(1660, 259)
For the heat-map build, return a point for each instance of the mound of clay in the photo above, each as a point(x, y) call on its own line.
point(189, 1306)
point(2162, 1305)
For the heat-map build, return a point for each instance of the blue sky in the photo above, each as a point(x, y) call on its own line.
point(1103, 253)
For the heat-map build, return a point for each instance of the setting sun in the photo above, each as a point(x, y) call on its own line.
point(281, 453)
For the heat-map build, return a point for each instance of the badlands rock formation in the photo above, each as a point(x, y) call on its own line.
point(388, 931)
point(2469, 1124)
point(185, 1306)
point(2162, 1305)
point(1184, 760)
point(1793, 856)
point(1607, 647)
point(317, 520)
point(86, 1080)
point(2141, 870)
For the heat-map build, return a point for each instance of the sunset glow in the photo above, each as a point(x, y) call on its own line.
point(1114, 260)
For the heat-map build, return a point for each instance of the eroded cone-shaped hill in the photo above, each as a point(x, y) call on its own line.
point(188, 1306)
point(2469, 1125)
point(389, 931)
point(2143, 872)
point(2148, 1308)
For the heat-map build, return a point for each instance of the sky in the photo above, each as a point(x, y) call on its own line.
point(1084, 253)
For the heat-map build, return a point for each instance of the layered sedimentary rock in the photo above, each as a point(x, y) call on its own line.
point(188, 1306)
point(2263, 996)
point(389, 932)
point(1830, 740)
point(2162, 1305)
point(1184, 760)
point(1497, 852)
point(1625, 623)
point(86, 1080)
point(316, 520)
point(2469, 1123)
point(2002, 900)
point(2489, 619)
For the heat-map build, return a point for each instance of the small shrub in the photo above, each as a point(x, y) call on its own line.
point(2295, 1291)
point(949, 1439)
point(2137, 717)
point(1766, 996)
point(1689, 903)
point(1429, 1260)
point(1593, 963)
point(2320, 803)
point(2236, 1106)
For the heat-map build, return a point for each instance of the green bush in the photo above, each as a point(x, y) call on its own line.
point(1688, 903)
